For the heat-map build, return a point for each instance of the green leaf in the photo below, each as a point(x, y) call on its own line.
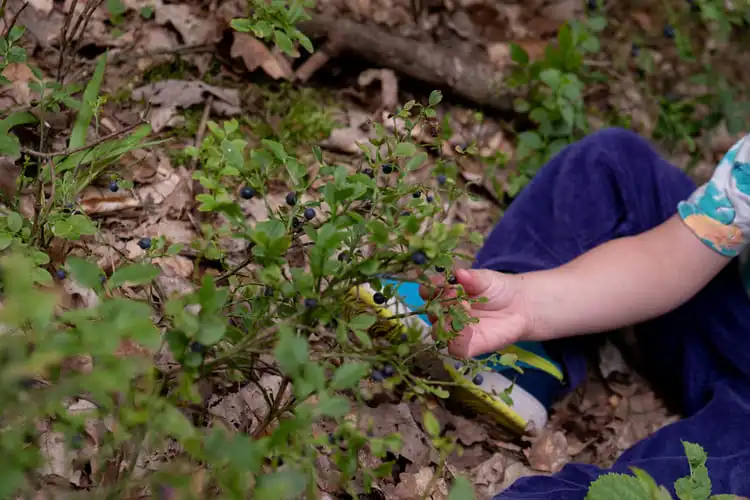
point(518, 54)
point(530, 140)
point(415, 161)
point(283, 485)
point(291, 352)
point(405, 149)
point(696, 486)
point(283, 42)
point(136, 274)
point(551, 77)
point(85, 272)
point(10, 146)
point(212, 330)
point(431, 424)
point(242, 25)
point(86, 113)
point(655, 491)
point(276, 148)
point(461, 489)
point(305, 42)
point(333, 406)
point(435, 97)
point(14, 222)
point(348, 375)
point(619, 486)
point(362, 322)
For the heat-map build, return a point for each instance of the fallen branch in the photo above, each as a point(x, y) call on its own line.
point(475, 80)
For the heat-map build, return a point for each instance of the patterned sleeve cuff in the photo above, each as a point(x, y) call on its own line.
point(719, 211)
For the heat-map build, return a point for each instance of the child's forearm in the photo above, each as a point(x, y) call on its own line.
point(622, 282)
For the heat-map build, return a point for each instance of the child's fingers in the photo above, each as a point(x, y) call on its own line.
point(429, 292)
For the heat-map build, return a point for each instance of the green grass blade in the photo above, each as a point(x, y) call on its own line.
point(86, 113)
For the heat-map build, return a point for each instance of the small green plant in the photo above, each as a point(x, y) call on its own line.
point(641, 486)
point(276, 20)
point(552, 89)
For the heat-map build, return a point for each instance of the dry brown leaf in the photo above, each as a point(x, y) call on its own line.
point(414, 486)
point(195, 27)
point(489, 475)
point(388, 85)
point(549, 453)
point(43, 6)
point(255, 54)
point(20, 76)
point(387, 419)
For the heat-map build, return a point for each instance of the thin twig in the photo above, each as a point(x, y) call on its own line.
point(64, 39)
point(15, 17)
point(201, 132)
point(68, 152)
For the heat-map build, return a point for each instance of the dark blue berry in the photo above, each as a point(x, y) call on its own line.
point(478, 379)
point(309, 213)
point(388, 371)
point(197, 347)
point(144, 243)
point(369, 173)
point(61, 274)
point(441, 179)
point(419, 258)
point(331, 438)
point(291, 199)
point(387, 168)
point(247, 192)
point(344, 257)
point(668, 31)
point(405, 213)
point(453, 280)
point(114, 187)
point(635, 50)
point(439, 269)
point(694, 7)
point(416, 194)
point(592, 4)
point(102, 278)
point(404, 337)
point(268, 291)
point(311, 303)
point(378, 298)
point(458, 365)
point(377, 376)
point(429, 198)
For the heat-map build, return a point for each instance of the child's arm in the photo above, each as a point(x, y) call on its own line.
point(621, 282)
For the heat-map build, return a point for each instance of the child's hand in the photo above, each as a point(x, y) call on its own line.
point(503, 319)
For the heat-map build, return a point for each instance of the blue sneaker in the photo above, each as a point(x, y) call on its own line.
point(516, 398)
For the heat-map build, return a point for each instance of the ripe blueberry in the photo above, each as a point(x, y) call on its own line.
point(311, 303)
point(635, 50)
point(478, 379)
point(668, 31)
point(377, 376)
point(247, 192)
point(404, 337)
point(369, 173)
point(458, 365)
point(344, 257)
point(387, 168)
point(268, 291)
point(144, 243)
point(441, 179)
point(309, 213)
point(61, 274)
point(416, 194)
point(429, 198)
point(439, 269)
point(291, 199)
point(419, 258)
point(405, 213)
point(331, 438)
point(592, 4)
point(452, 280)
point(197, 347)
point(378, 298)
point(114, 187)
point(388, 371)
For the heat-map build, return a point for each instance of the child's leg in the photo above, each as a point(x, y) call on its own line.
point(609, 185)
